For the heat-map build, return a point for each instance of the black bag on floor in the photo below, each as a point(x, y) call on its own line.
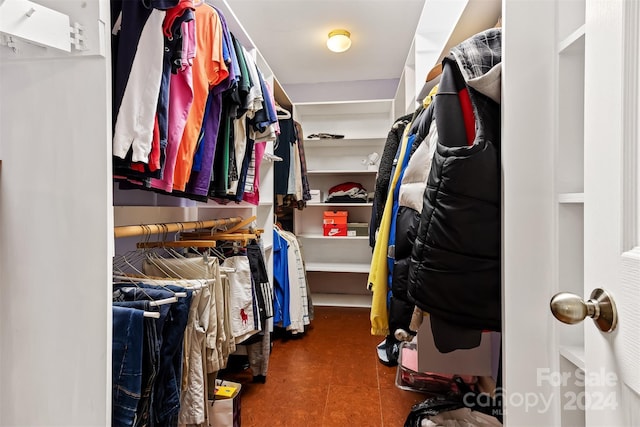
point(430, 407)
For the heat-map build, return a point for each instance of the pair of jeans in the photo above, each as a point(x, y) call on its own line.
point(169, 381)
point(128, 330)
point(165, 404)
point(150, 361)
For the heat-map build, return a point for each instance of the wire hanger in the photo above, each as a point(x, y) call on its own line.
point(121, 274)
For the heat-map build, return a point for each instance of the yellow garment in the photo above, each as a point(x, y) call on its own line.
point(378, 272)
point(429, 98)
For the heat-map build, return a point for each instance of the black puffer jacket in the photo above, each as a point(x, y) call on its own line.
point(455, 261)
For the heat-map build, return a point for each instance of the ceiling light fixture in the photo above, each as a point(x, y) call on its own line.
point(339, 41)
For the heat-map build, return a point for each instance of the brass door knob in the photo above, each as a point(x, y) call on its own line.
point(571, 308)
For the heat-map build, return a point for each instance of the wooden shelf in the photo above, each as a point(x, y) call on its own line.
point(335, 267)
point(573, 354)
point(341, 300)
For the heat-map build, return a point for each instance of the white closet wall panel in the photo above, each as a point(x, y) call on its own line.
point(56, 240)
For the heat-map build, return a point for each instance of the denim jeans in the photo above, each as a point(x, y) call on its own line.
point(128, 330)
point(173, 320)
point(150, 362)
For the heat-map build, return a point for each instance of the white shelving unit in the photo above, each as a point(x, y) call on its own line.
point(569, 185)
point(337, 266)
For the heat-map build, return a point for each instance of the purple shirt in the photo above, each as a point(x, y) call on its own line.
point(199, 181)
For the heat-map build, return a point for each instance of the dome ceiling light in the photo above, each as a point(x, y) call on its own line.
point(339, 41)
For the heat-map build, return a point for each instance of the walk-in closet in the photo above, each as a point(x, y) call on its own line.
point(319, 213)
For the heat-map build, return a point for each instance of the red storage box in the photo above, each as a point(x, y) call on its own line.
point(335, 229)
point(335, 217)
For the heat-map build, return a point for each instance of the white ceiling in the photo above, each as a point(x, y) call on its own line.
point(291, 35)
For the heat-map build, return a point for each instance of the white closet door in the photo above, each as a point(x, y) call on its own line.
point(570, 162)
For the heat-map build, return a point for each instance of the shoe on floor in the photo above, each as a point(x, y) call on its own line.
point(388, 351)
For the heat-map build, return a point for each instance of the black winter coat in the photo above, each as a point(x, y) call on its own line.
point(455, 261)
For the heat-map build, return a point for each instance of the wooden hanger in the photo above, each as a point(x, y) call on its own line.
point(211, 243)
point(434, 72)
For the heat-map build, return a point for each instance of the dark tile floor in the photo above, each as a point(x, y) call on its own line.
point(330, 377)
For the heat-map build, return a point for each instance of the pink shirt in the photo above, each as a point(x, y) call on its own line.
point(209, 69)
point(180, 99)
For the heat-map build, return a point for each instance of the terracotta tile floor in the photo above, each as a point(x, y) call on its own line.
point(330, 377)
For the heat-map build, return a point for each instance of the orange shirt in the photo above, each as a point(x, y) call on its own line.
point(209, 70)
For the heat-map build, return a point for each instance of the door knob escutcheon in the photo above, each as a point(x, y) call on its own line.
point(571, 308)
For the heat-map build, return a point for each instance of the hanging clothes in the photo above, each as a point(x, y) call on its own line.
point(281, 303)
point(127, 362)
point(378, 272)
point(293, 309)
point(403, 230)
point(180, 99)
point(456, 276)
point(383, 178)
point(209, 69)
point(243, 320)
point(136, 112)
point(166, 391)
point(282, 149)
point(211, 105)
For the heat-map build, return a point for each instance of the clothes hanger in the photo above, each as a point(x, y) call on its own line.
point(146, 255)
point(154, 258)
point(282, 113)
point(434, 72)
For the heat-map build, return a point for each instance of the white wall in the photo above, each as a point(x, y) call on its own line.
point(55, 239)
point(527, 165)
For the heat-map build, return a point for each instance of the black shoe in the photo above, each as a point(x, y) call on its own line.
point(388, 351)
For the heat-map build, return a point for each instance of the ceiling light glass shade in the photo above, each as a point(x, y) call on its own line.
point(339, 40)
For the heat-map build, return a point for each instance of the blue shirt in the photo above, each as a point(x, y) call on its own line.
point(281, 281)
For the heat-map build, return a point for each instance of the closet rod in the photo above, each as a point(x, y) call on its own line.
point(141, 230)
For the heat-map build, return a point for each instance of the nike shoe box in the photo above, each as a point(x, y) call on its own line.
point(335, 229)
point(335, 217)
